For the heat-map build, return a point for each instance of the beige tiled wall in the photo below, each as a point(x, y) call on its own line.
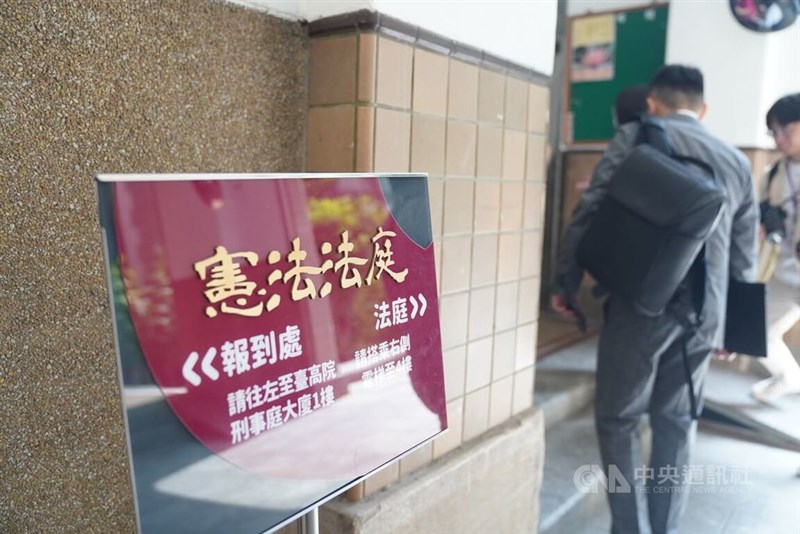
point(388, 106)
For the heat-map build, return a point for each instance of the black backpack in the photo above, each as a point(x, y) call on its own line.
point(649, 230)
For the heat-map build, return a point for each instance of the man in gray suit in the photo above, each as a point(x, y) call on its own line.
point(640, 368)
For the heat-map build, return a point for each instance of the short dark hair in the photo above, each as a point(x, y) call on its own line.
point(784, 111)
point(678, 86)
point(631, 104)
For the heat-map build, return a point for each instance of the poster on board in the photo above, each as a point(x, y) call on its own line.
point(277, 338)
point(592, 48)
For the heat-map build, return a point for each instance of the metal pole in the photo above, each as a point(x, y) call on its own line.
point(309, 523)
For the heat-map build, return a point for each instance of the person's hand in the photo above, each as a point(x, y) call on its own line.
point(723, 355)
point(558, 302)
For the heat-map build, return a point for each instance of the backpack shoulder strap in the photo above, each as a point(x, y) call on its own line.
point(773, 171)
point(653, 133)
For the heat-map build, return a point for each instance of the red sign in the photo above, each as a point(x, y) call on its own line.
point(291, 322)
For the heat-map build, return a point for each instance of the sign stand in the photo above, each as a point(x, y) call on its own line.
point(309, 523)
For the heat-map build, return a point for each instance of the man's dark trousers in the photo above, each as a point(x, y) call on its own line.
point(640, 370)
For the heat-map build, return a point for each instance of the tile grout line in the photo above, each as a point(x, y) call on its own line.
point(354, 163)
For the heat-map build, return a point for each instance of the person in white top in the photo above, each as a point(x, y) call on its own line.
point(780, 197)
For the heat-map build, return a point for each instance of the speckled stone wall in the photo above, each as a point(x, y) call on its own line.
point(115, 86)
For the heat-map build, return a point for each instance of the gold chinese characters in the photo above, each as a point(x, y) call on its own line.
point(226, 285)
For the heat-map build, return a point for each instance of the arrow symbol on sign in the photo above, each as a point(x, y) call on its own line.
point(188, 369)
point(206, 366)
point(191, 375)
point(415, 306)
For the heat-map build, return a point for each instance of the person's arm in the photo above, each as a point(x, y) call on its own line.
point(568, 272)
point(744, 234)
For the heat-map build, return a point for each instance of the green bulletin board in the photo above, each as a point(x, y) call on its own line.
point(638, 49)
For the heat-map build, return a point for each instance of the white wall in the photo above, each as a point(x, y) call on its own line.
point(705, 35)
point(523, 32)
point(745, 71)
point(305, 9)
point(519, 31)
point(782, 72)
